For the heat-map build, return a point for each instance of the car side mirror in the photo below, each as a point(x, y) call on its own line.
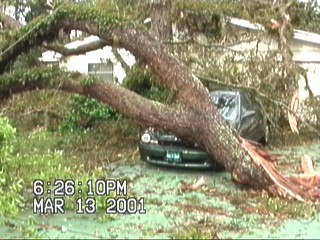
point(249, 113)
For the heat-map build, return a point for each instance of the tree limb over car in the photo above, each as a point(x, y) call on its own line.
point(192, 116)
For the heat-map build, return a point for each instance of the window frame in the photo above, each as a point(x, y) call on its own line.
point(94, 69)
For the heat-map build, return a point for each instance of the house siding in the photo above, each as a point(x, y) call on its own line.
point(80, 62)
point(306, 54)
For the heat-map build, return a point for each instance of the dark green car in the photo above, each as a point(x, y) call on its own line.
point(240, 110)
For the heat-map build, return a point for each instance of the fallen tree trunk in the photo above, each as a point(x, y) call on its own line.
point(192, 116)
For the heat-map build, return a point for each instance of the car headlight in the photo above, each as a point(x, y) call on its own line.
point(146, 138)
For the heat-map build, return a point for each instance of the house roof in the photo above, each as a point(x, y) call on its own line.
point(298, 34)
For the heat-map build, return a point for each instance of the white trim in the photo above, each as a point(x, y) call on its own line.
point(298, 34)
point(246, 24)
point(307, 36)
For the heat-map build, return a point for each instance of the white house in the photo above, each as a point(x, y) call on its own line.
point(101, 62)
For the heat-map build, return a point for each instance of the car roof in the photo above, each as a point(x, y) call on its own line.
point(227, 91)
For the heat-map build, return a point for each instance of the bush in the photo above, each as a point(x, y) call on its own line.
point(143, 82)
point(10, 184)
point(86, 113)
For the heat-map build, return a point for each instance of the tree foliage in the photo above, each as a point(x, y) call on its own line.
point(10, 185)
point(85, 113)
point(140, 80)
point(304, 15)
point(205, 36)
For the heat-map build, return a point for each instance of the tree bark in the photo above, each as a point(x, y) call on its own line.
point(161, 24)
point(76, 51)
point(9, 23)
point(192, 116)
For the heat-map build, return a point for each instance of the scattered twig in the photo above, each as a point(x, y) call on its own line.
point(45, 111)
point(134, 153)
point(199, 183)
point(120, 59)
point(307, 165)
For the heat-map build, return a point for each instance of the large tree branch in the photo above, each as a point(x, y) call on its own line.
point(145, 112)
point(116, 32)
point(94, 45)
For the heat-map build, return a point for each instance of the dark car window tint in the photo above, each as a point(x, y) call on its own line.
point(227, 105)
point(246, 102)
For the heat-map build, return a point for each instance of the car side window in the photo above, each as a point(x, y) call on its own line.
point(229, 109)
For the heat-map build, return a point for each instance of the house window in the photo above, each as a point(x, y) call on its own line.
point(104, 70)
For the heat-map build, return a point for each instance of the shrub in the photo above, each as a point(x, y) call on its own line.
point(143, 82)
point(86, 112)
point(10, 184)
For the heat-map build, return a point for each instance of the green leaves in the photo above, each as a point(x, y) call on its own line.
point(303, 15)
point(10, 184)
point(143, 82)
point(7, 135)
point(89, 81)
point(51, 76)
point(85, 113)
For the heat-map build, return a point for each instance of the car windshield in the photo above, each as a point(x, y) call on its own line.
point(226, 104)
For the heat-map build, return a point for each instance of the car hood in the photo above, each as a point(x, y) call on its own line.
point(167, 138)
